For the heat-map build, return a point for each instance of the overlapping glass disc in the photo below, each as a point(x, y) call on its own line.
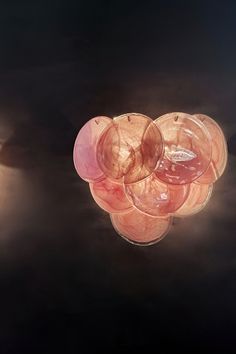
point(143, 171)
point(130, 148)
point(187, 152)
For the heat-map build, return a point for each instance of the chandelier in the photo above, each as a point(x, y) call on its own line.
point(144, 172)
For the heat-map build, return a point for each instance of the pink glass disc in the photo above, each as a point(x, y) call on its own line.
point(84, 154)
point(130, 148)
point(140, 228)
point(198, 197)
point(219, 151)
point(110, 196)
point(155, 197)
point(187, 148)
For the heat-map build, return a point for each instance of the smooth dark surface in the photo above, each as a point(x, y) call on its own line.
point(68, 283)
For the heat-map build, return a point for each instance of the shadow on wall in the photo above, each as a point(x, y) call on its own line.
point(47, 131)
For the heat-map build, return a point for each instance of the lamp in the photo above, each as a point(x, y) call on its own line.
point(144, 172)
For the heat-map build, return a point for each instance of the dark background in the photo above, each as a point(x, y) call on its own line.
point(68, 283)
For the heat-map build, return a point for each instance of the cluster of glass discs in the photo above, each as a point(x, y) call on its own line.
point(144, 172)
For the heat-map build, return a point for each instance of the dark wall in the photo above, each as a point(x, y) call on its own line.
point(68, 283)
